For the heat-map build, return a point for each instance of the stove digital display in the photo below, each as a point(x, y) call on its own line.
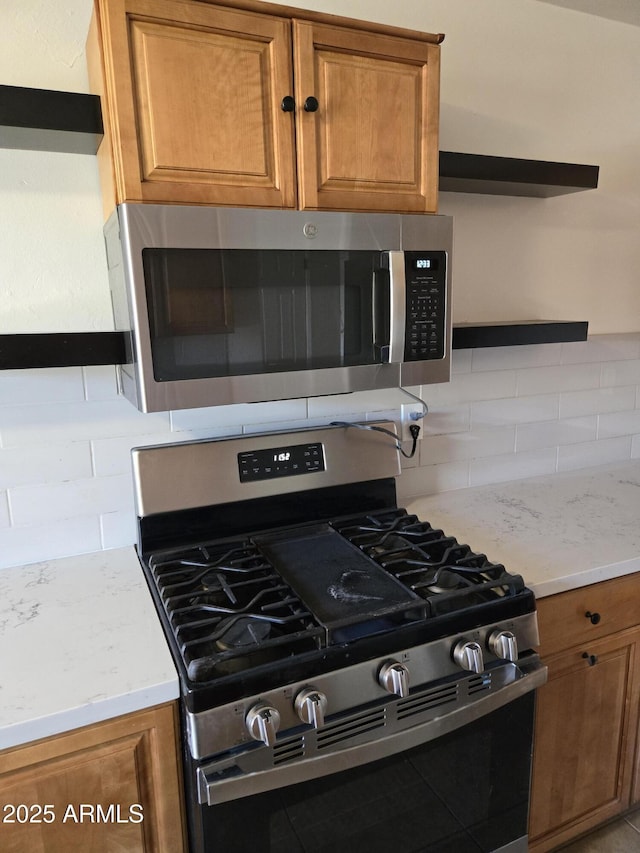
point(280, 462)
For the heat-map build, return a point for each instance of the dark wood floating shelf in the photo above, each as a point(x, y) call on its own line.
point(83, 349)
point(42, 120)
point(45, 120)
point(75, 349)
point(469, 336)
point(478, 173)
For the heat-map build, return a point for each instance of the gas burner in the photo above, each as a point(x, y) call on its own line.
point(446, 580)
point(243, 632)
point(248, 603)
point(447, 574)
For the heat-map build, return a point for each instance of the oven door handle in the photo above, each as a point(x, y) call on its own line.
point(221, 781)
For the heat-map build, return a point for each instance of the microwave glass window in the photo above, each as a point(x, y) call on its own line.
point(221, 312)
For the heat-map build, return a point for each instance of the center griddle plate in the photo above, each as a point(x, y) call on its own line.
point(339, 584)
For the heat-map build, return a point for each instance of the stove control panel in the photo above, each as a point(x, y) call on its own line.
point(272, 716)
point(254, 465)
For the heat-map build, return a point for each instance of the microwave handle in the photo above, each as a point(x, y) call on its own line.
point(397, 306)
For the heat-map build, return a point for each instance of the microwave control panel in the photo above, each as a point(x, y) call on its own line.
point(426, 277)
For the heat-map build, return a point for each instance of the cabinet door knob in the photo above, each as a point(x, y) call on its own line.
point(593, 617)
point(593, 660)
point(288, 104)
point(311, 104)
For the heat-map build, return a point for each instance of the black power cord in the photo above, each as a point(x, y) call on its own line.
point(414, 429)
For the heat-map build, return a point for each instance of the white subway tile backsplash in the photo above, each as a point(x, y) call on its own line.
point(547, 380)
point(33, 505)
point(516, 410)
point(24, 426)
point(461, 360)
point(113, 455)
point(467, 445)
point(573, 404)
point(619, 423)
point(620, 373)
point(37, 542)
point(118, 529)
point(467, 387)
point(591, 453)
point(447, 419)
point(555, 433)
point(429, 479)
point(5, 520)
point(47, 463)
point(508, 358)
point(509, 412)
point(601, 348)
point(100, 382)
point(50, 385)
point(514, 466)
point(238, 415)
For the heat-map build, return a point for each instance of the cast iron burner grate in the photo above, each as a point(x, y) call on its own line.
point(448, 575)
point(229, 610)
point(239, 605)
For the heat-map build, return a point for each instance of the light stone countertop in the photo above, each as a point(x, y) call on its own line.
point(559, 532)
point(80, 642)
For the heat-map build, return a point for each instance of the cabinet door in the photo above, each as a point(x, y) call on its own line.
point(372, 143)
point(109, 787)
point(194, 94)
point(586, 720)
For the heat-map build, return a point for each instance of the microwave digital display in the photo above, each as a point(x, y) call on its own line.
point(425, 264)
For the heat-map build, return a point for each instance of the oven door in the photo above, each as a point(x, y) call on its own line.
point(464, 791)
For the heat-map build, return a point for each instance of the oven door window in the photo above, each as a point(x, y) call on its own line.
point(215, 312)
point(466, 792)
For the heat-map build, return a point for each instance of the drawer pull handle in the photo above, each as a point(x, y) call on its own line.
point(593, 660)
point(594, 617)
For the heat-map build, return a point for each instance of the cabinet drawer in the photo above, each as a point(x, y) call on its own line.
point(613, 605)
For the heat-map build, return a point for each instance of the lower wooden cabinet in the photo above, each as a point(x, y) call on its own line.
point(586, 729)
point(112, 787)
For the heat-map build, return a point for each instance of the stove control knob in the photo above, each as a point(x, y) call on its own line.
point(394, 677)
point(262, 722)
point(468, 655)
point(504, 645)
point(310, 706)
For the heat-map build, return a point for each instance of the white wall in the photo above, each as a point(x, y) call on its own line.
point(519, 78)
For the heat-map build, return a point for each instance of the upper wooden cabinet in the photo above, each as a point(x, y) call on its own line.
point(223, 104)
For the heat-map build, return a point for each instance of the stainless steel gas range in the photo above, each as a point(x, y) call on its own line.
point(351, 677)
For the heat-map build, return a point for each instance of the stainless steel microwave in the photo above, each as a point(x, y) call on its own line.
point(226, 305)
